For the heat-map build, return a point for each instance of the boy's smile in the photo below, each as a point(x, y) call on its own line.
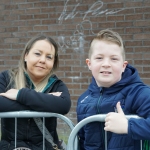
point(105, 72)
point(106, 63)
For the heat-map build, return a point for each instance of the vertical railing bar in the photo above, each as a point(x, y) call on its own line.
point(15, 132)
point(43, 133)
point(105, 140)
point(141, 144)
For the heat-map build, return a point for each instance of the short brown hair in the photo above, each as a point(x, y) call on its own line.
point(110, 36)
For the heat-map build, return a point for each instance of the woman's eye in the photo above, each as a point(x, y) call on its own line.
point(38, 54)
point(49, 57)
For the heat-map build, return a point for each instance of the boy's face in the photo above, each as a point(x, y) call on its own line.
point(106, 63)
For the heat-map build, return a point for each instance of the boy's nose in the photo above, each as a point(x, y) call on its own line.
point(106, 63)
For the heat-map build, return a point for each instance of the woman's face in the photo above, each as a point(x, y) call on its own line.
point(40, 60)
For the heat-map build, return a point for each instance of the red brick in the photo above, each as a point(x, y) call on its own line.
point(142, 10)
point(116, 18)
point(133, 43)
point(49, 21)
point(10, 7)
point(134, 30)
point(24, 5)
point(32, 11)
point(114, 5)
point(39, 27)
point(142, 49)
point(142, 23)
point(40, 16)
point(134, 17)
point(134, 4)
point(41, 4)
point(25, 17)
point(142, 36)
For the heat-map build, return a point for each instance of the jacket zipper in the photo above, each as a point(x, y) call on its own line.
point(98, 110)
point(99, 101)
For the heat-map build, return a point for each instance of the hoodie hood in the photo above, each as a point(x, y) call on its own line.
point(129, 77)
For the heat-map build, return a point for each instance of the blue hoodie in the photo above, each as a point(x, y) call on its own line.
point(134, 97)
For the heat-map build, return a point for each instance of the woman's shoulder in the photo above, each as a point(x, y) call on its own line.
point(57, 79)
point(4, 73)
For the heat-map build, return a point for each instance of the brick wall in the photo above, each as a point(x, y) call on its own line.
point(73, 23)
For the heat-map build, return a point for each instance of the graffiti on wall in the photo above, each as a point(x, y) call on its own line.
point(77, 41)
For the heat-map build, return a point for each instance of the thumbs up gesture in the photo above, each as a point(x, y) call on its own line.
point(116, 121)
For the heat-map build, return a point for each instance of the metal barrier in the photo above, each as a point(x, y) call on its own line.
point(32, 114)
point(100, 118)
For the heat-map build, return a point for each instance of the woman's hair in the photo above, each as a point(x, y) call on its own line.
point(108, 36)
point(17, 75)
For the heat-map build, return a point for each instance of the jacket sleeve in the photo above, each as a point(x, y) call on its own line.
point(140, 128)
point(45, 102)
point(5, 103)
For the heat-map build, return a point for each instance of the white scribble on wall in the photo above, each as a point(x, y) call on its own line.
point(77, 40)
point(62, 43)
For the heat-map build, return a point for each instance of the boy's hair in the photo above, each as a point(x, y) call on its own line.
point(109, 36)
point(17, 75)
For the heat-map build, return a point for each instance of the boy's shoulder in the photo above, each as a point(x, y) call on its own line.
point(83, 95)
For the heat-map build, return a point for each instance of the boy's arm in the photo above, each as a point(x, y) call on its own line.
point(140, 128)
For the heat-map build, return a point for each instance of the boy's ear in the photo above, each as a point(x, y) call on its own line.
point(124, 65)
point(88, 63)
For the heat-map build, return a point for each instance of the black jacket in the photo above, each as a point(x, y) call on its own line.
point(28, 134)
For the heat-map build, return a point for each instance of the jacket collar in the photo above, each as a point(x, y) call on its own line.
point(30, 84)
point(129, 77)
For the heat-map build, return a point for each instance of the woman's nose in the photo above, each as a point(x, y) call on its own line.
point(42, 59)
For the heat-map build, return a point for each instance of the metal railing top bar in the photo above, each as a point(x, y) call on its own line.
point(34, 114)
point(28, 114)
point(99, 118)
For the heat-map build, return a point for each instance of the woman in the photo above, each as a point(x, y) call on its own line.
point(33, 86)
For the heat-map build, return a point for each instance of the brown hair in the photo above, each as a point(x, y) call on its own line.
point(110, 36)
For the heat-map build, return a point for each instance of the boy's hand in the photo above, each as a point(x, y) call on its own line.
point(116, 122)
point(11, 94)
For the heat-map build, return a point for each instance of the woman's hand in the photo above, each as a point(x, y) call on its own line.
point(11, 94)
point(116, 122)
point(56, 93)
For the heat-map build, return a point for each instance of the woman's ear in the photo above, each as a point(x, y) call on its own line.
point(88, 63)
point(25, 57)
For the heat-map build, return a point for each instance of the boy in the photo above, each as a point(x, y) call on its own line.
point(115, 90)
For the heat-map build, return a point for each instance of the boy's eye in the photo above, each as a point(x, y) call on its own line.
point(99, 58)
point(114, 59)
